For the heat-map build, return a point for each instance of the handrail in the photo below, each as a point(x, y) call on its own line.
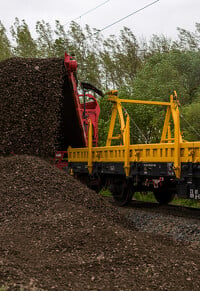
point(171, 149)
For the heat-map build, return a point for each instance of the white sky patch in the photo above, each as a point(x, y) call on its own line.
point(161, 18)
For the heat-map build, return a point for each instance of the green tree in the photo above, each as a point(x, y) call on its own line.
point(25, 46)
point(5, 47)
point(83, 44)
point(104, 120)
point(190, 121)
point(45, 39)
point(159, 44)
point(77, 45)
point(120, 60)
point(161, 74)
point(188, 40)
point(92, 63)
point(61, 43)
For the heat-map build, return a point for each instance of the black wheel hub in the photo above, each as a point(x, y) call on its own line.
point(122, 193)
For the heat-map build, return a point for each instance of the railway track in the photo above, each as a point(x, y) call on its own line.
point(175, 210)
point(178, 222)
point(170, 209)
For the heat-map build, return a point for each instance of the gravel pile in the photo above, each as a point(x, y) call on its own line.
point(57, 234)
point(30, 185)
point(31, 105)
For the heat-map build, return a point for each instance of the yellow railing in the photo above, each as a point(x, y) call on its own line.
point(170, 149)
point(145, 153)
point(189, 152)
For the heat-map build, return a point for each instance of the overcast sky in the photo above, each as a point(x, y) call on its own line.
point(161, 18)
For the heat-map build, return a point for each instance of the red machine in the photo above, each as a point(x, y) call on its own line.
point(78, 109)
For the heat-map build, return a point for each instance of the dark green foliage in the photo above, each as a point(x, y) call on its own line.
point(120, 59)
point(161, 74)
point(191, 121)
point(5, 46)
point(25, 45)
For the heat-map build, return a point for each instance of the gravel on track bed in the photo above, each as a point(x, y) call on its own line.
point(180, 228)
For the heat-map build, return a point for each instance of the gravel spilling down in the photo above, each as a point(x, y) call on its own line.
point(31, 103)
point(31, 185)
point(57, 234)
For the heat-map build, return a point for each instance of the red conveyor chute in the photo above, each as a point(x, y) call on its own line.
point(76, 111)
point(76, 115)
point(74, 133)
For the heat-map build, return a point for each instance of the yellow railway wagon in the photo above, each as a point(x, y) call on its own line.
point(166, 168)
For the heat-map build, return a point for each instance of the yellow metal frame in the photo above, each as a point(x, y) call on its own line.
point(170, 149)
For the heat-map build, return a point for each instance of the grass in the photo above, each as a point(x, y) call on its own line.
point(146, 197)
point(186, 202)
point(149, 197)
point(105, 192)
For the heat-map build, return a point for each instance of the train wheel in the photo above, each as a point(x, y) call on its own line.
point(122, 193)
point(95, 184)
point(164, 195)
point(96, 188)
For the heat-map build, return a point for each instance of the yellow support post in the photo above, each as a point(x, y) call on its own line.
point(112, 125)
point(90, 148)
point(175, 115)
point(169, 135)
point(127, 147)
point(121, 119)
point(117, 108)
point(166, 125)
